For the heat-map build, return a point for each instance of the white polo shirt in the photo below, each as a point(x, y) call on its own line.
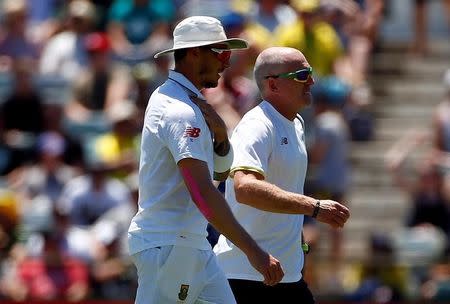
point(268, 143)
point(174, 129)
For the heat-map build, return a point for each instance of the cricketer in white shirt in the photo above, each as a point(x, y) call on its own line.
point(174, 128)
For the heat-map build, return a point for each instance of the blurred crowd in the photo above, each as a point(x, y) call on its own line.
point(75, 78)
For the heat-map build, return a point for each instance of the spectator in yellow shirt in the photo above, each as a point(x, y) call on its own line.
point(314, 37)
point(118, 149)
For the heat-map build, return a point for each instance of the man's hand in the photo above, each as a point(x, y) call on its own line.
point(213, 120)
point(267, 265)
point(333, 213)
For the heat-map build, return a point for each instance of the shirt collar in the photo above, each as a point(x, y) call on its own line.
point(279, 116)
point(183, 81)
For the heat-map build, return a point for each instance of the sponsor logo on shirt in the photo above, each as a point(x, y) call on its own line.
point(192, 132)
point(284, 141)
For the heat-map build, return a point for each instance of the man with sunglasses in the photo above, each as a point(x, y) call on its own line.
point(183, 142)
point(265, 188)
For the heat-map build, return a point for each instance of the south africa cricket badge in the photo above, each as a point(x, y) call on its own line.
point(182, 295)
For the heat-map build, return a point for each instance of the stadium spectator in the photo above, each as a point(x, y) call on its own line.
point(119, 149)
point(15, 42)
point(420, 39)
point(437, 285)
point(64, 55)
point(86, 198)
point(271, 13)
point(22, 115)
point(425, 184)
point(23, 109)
point(330, 168)
point(356, 23)
point(44, 19)
point(313, 36)
point(135, 27)
point(379, 278)
point(41, 182)
point(111, 269)
point(53, 275)
point(43, 267)
point(56, 122)
point(100, 84)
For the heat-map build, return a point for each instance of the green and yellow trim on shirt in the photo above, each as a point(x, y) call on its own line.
point(246, 168)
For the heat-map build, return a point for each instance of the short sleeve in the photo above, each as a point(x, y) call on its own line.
point(185, 133)
point(252, 144)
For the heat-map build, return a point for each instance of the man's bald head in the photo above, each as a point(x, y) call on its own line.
point(274, 61)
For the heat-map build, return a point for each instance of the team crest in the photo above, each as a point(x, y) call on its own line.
point(182, 295)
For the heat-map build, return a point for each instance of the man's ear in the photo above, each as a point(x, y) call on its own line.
point(195, 51)
point(272, 86)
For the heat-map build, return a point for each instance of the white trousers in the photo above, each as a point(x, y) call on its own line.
point(175, 274)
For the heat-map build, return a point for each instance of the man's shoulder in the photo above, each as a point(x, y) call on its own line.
point(172, 103)
point(255, 121)
point(257, 114)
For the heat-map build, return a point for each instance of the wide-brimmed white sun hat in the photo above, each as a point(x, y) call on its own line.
point(199, 31)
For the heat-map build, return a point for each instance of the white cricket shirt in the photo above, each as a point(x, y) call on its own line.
point(268, 143)
point(174, 129)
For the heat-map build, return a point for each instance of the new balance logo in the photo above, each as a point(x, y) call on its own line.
point(284, 141)
point(192, 132)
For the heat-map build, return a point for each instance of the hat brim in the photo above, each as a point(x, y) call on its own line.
point(232, 43)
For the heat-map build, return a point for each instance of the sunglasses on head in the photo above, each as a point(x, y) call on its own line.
point(222, 55)
point(300, 75)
